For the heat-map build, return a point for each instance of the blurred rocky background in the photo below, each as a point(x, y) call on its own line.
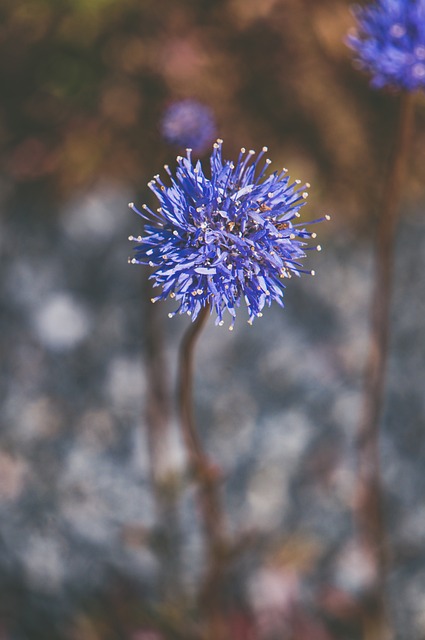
point(92, 546)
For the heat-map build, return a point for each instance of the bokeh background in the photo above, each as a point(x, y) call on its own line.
point(90, 547)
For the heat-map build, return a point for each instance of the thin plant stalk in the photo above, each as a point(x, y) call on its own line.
point(206, 477)
point(157, 417)
point(157, 405)
point(368, 499)
point(158, 385)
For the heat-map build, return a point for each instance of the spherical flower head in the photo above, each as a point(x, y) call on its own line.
point(230, 237)
point(188, 123)
point(390, 43)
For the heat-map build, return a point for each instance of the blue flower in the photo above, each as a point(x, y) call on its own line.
point(226, 238)
point(390, 42)
point(188, 123)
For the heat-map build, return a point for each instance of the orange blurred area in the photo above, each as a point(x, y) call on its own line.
point(85, 83)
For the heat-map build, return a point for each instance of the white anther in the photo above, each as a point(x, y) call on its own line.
point(305, 194)
point(312, 272)
point(172, 294)
point(327, 217)
point(314, 234)
point(319, 248)
point(131, 238)
point(419, 70)
point(170, 315)
point(131, 205)
point(265, 149)
point(397, 30)
point(420, 52)
point(175, 233)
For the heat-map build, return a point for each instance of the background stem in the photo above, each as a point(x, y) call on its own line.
point(157, 405)
point(368, 499)
point(157, 417)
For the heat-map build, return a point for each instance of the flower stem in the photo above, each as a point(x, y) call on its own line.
point(157, 417)
point(157, 406)
point(185, 390)
point(207, 479)
point(368, 499)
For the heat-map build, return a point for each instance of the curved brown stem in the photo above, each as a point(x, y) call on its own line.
point(157, 405)
point(185, 388)
point(207, 480)
point(368, 499)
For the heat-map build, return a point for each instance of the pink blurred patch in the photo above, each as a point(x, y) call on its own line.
point(31, 159)
point(146, 634)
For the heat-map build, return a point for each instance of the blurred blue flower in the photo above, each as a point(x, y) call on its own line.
point(222, 239)
point(188, 123)
point(390, 42)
